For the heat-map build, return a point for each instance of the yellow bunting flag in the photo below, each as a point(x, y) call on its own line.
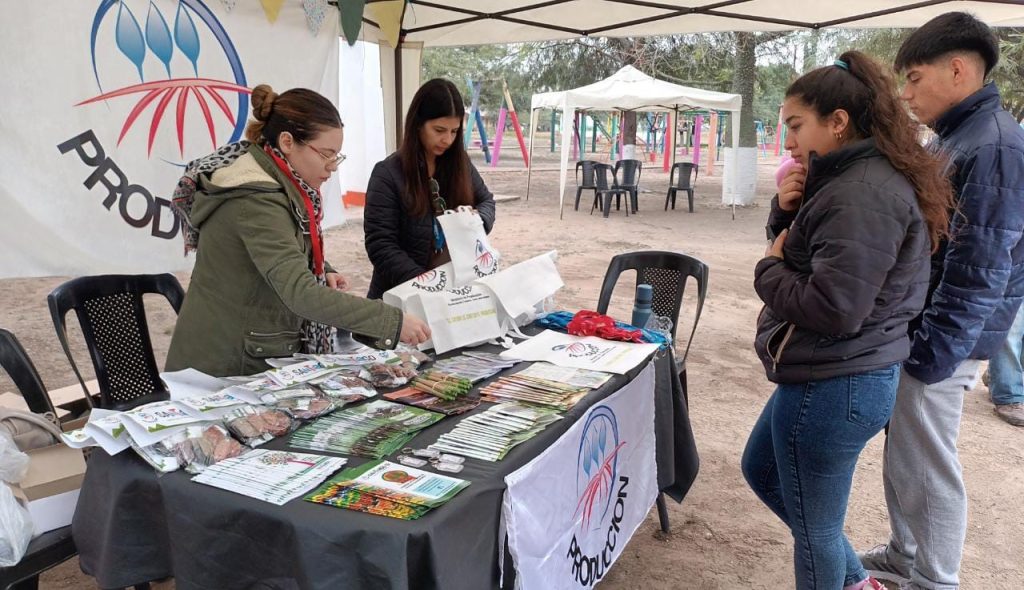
point(272, 8)
point(388, 16)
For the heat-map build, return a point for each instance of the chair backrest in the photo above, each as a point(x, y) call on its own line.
point(628, 172)
point(666, 273)
point(113, 321)
point(19, 367)
point(588, 180)
point(601, 172)
point(681, 173)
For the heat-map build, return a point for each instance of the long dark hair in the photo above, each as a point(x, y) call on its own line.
point(436, 99)
point(299, 111)
point(868, 94)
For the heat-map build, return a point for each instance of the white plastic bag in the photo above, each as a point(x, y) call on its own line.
point(15, 522)
point(522, 289)
point(460, 317)
point(404, 296)
point(472, 255)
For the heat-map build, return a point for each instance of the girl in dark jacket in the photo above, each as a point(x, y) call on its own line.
point(855, 222)
point(429, 173)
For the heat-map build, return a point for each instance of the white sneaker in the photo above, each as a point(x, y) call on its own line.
point(876, 561)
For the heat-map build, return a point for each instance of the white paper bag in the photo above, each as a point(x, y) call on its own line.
point(472, 255)
point(460, 317)
point(522, 288)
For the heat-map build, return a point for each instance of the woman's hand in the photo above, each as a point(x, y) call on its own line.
point(414, 330)
point(791, 191)
point(336, 281)
point(775, 248)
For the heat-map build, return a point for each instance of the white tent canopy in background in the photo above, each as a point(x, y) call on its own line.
point(429, 23)
point(628, 89)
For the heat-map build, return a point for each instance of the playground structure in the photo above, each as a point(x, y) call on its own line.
point(506, 113)
point(655, 140)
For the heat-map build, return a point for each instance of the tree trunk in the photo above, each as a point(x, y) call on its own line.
point(811, 50)
point(629, 134)
point(743, 78)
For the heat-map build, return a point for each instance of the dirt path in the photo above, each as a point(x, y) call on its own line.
point(722, 538)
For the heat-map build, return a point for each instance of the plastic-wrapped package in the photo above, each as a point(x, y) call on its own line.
point(202, 446)
point(254, 425)
point(15, 522)
point(307, 408)
point(345, 389)
point(388, 375)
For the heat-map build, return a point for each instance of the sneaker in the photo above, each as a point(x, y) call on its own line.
point(876, 561)
point(868, 584)
point(1011, 413)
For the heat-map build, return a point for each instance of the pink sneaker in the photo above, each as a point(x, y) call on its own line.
point(868, 584)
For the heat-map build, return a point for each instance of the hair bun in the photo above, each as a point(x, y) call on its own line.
point(263, 97)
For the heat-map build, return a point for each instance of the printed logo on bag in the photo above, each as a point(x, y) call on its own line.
point(578, 349)
point(602, 493)
point(466, 290)
point(177, 66)
point(431, 281)
point(486, 263)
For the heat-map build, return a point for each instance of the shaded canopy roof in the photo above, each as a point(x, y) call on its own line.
point(630, 89)
point(474, 22)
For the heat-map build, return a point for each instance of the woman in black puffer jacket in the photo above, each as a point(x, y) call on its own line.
point(855, 222)
point(402, 237)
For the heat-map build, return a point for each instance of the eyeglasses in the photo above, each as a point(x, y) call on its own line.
point(435, 194)
point(331, 158)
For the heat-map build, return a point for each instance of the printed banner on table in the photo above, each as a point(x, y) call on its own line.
point(105, 101)
point(582, 352)
point(569, 513)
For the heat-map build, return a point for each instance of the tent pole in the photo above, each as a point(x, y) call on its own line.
point(675, 136)
point(529, 162)
point(399, 114)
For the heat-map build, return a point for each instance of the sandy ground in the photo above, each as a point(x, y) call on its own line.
point(722, 537)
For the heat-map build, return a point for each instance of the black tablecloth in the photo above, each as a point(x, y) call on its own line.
point(133, 526)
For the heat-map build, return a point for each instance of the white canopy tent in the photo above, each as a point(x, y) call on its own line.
point(629, 89)
point(432, 23)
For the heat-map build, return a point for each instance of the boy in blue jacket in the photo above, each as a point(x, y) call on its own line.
point(977, 283)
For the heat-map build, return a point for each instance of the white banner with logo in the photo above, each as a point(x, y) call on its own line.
point(104, 101)
point(569, 513)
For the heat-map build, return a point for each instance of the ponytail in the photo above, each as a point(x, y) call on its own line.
point(859, 86)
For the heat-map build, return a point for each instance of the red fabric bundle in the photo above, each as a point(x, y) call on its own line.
point(591, 323)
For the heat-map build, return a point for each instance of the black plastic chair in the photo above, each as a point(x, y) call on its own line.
point(666, 273)
point(681, 182)
point(19, 367)
point(589, 182)
point(55, 547)
point(44, 552)
point(628, 174)
point(113, 321)
point(605, 189)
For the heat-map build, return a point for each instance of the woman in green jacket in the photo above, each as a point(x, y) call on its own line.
point(252, 210)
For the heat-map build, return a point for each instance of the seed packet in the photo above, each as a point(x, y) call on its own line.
point(307, 408)
point(203, 446)
point(255, 425)
point(299, 373)
point(345, 387)
point(387, 376)
point(299, 392)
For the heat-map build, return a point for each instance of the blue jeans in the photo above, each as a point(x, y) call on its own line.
point(1006, 369)
point(799, 461)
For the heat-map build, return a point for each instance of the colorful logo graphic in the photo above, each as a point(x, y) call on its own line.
point(577, 349)
point(397, 476)
point(486, 263)
point(178, 48)
point(597, 465)
point(431, 281)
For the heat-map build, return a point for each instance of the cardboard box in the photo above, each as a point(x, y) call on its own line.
point(50, 488)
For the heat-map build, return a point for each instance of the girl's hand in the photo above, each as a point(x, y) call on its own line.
point(791, 191)
point(775, 248)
